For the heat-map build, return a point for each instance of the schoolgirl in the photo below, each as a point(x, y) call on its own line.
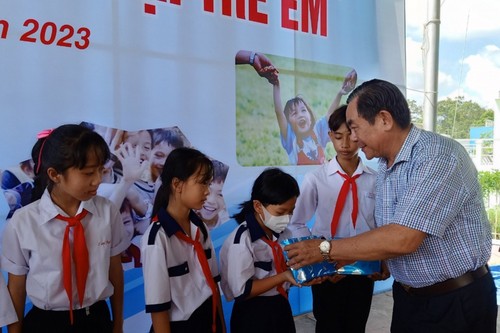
point(253, 268)
point(178, 257)
point(63, 249)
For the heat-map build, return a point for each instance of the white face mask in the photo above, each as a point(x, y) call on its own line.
point(275, 223)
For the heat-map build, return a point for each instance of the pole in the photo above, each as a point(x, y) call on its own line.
point(431, 64)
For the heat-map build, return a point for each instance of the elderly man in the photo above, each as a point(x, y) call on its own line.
point(432, 227)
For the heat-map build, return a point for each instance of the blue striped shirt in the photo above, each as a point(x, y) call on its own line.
point(433, 187)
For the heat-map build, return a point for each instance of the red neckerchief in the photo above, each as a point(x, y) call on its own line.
point(339, 205)
point(279, 261)
point(80, 257)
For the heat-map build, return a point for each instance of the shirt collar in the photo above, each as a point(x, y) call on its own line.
point(404, 153)
point(171, 226)
point(49, 210)
point(334, 167)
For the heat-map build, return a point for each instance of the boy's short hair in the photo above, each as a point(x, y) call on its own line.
point(337, 118)
point(220, 171)
point(171, 136)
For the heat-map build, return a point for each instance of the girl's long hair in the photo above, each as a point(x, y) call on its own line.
point(65, 147)
point(181, 163)
point(272, 187)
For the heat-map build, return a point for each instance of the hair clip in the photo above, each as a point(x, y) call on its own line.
point(44, 133)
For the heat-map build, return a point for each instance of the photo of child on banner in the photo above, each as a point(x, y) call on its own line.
point(302, 135)
point(17, 183)
point(130, 180)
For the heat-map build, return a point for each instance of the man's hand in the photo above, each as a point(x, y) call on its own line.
point(304, 253)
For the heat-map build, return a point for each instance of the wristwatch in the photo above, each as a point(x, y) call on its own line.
point(324, 249)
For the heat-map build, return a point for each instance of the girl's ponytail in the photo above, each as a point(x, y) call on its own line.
point(161, 199)
point(41, 180)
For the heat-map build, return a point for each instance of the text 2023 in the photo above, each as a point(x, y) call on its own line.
point(49, 34)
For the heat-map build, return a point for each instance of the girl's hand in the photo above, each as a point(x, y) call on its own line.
point(289, 277)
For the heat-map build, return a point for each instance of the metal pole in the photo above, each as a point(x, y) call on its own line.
point(431, 64)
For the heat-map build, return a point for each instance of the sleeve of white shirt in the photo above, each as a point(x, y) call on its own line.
point(304, 209)
point(14, 258)
point(154, 269)
point(120, 241)
point(7, 312)
point(237, 266)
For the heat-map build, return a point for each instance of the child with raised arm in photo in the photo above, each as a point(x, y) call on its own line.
point(253, 268)
point(304, 138)
point(179, 263)
point(64, 247)
point(342, 195)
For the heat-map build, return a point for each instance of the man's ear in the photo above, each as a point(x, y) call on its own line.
point(53, 175)
point(386, 119)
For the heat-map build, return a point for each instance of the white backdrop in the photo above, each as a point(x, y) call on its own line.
point(125, 68)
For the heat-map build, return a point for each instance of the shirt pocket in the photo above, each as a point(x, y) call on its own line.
point(367, 208)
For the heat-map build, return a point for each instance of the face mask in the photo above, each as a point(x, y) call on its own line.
point(275, 223)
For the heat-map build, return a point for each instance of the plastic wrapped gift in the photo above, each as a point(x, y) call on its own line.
point(360, 268)
point(307, 273)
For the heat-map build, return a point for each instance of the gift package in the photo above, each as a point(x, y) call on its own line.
point(324, 268)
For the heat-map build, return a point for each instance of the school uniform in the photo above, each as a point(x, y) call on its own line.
point(7, 313)
point(245, 256)
point(174, 280)
point(345, 305)
point(32, 243)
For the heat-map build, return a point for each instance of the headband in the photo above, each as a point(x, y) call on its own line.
point(42, 135)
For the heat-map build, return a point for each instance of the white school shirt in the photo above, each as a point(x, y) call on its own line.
point(173, 277)
point(7, 313)
point(318, 195)
point(32, 246)
point(245, 257)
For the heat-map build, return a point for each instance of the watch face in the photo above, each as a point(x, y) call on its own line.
point(324, 246)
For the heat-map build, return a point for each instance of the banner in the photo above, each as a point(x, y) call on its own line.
point(155, 66)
